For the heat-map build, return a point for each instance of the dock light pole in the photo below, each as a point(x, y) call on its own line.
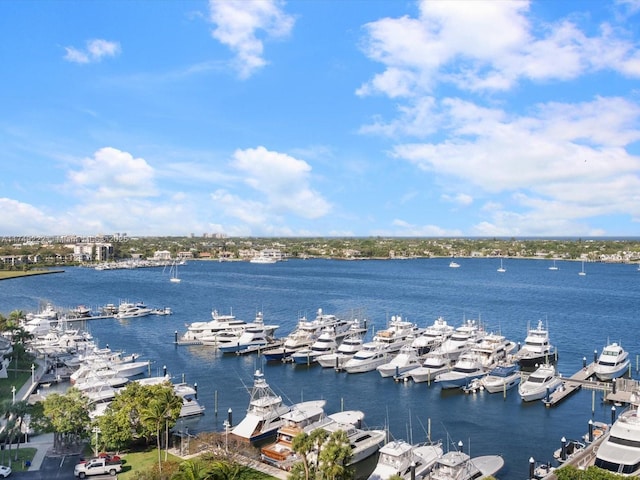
point(33, 374)
point(96, 431)
point(532, 468)
point(226, 426)
point(13, 394)
point(613, 414)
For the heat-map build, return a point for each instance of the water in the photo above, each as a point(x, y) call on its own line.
point(583, 314)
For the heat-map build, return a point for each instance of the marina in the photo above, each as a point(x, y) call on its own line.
point(414, 289)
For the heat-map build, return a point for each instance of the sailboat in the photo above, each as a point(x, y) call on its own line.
point(174, 273)
point(501, 269)
point(582, 272)
point(553, 267)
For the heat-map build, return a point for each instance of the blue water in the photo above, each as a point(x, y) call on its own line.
point(583, 314)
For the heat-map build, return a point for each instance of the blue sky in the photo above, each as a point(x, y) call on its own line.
point(320, 118)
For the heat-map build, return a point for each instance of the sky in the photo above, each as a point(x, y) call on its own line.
point(269, 118)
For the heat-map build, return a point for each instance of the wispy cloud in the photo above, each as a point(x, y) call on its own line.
point(243, 26)
point(94, 51)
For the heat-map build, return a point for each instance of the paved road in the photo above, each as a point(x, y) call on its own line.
point(52, 468)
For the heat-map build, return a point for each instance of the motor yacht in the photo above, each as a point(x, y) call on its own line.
point(306, 333)
point(544, 380)
point(432, 336)
point(467, 368)
point(613, 362)
point(492, 349)
point(502, 378)
point(325, 344)
point(620, 451)
point(132, 310)
point(218, 325)
point(407, 359)
point(347, 349)
point(255, 334)
point(537, 348)
point(462, 339)
point(435, 362)
point(399, 458)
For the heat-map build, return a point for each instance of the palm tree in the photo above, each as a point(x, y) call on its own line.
point(159, 412)
point(192, 470)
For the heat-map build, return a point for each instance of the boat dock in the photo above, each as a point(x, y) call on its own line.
point(617, 391)
point(260, 348)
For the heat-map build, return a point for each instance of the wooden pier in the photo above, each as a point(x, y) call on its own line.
point(618, 391)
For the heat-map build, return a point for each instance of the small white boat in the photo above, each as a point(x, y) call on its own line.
point(453, 264)
point(568, 449)
point(613, 362)
point(400, 458)
point(545, 380)
point(132, 310)
point(501, 378)
point(582, 272)
point(501, 269)
point(553, 267)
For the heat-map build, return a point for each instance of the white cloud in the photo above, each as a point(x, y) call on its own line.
point(284, 181)
point(112, 173)
point(19, 218)
point(461, 199)
point(485, 46)
point(94, 51)
point(241, 26)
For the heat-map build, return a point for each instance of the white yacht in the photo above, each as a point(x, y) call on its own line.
point(537, 348)
point(435, 362)
point(307, 332)
point(347, 349)
point(620, 451)
point(255, 334)
point(364, 442)
point(132, 310)
point(613, 362)
point(543, 380)
point(400, 458)
point(210, 330)
point(502, 378)
point(492, 349)
point(433, 336)
point(462, 339)
point(457, 465)
point(384, 345)
point(265, 411)
point(325, 344)
point(467, 368)
point(407, 359)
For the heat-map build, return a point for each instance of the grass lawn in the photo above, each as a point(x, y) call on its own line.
point(143, 462)
point(5, 275)
point(24, 454)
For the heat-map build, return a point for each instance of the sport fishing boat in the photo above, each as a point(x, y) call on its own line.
point(401, 459)
point(407, 359)
point(502, 378)
point(457, 465)
point(466, 369)
point(265, 411)
point(462, 339)
point(435, 362)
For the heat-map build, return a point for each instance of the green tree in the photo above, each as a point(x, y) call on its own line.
point(68, 415)
point(334, 457)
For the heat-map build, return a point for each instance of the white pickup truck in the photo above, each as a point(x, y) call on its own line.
point(97, 466)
